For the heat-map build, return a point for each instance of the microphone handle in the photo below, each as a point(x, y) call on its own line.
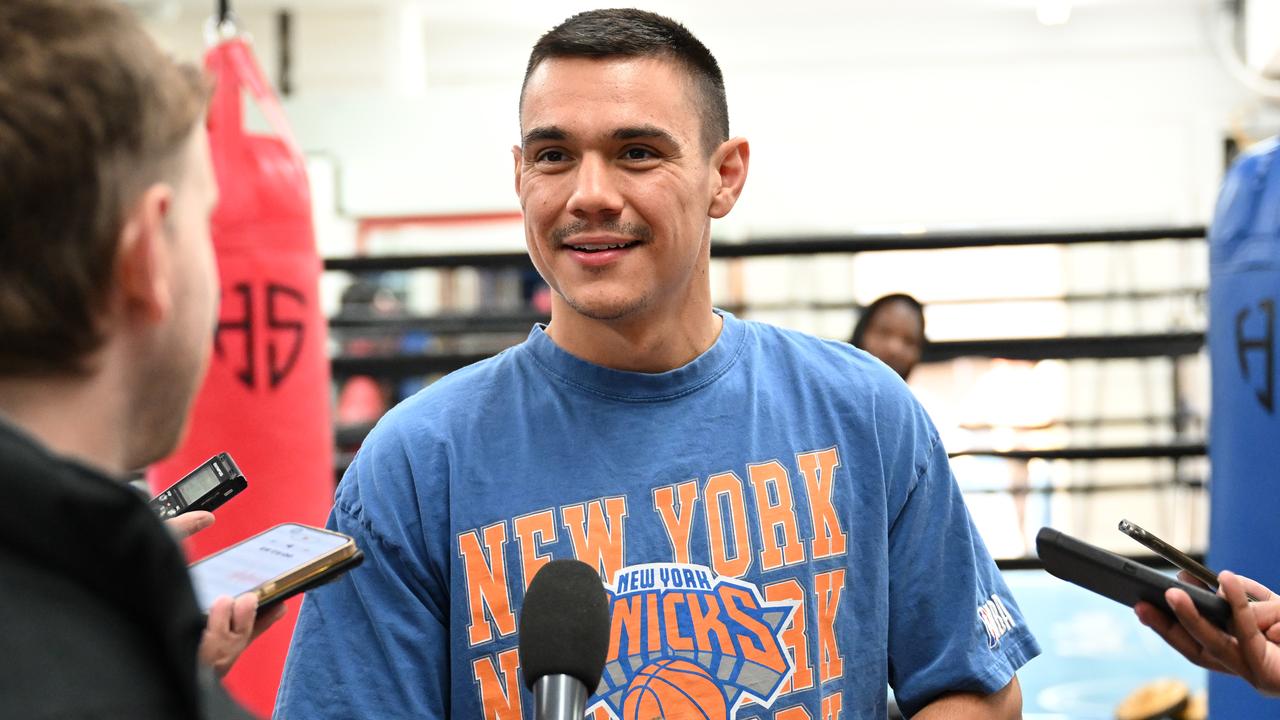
point(559, 697)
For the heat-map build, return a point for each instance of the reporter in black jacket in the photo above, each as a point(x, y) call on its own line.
point(108, 295)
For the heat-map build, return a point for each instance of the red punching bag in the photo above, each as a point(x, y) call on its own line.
point(266, 397)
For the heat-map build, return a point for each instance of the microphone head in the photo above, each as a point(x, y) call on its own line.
point(564, 624)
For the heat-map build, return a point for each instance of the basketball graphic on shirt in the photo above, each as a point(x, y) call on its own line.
point(688, 643)
point(674, 689)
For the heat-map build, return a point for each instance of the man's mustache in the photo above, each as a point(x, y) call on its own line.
point(634, 231)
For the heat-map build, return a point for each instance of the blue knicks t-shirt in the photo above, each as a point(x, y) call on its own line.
point(775, 522)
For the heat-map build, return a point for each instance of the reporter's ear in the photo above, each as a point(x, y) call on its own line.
point(143, 256)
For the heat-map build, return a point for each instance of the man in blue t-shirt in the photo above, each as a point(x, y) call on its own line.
point(772, 514)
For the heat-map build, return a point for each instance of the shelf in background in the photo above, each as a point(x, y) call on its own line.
point(1115, 452)
point(1065, 348)
point(805, 245)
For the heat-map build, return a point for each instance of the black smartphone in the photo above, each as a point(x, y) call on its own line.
point(276, 564)
point(1120, 578)
point(216, 481)
point(1174, 555)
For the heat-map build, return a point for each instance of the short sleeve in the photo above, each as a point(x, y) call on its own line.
point(374, 643)
point(953, 625)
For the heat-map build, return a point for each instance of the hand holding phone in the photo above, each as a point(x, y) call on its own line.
point(1120, 578)
point(232, 624)
point(1248, 648)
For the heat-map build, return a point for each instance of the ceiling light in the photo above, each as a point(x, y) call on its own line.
point(1053, 12)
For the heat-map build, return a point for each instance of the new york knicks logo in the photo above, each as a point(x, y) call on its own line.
point(688, 644)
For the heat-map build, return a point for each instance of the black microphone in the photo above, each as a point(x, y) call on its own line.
point(564, 636)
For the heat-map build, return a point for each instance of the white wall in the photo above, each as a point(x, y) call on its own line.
point(862, 114)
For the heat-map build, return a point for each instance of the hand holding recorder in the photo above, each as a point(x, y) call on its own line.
point(185, 507)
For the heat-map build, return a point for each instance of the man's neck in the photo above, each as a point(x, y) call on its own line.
point(639, 344)
point(77, 417)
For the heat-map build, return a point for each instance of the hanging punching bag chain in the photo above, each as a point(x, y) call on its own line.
point(222, 26)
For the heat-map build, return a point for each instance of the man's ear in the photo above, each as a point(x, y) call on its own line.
point(143, 256)
point(730, 162)
point(519, 158)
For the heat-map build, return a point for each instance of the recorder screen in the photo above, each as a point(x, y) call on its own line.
point(197, 485)
point(243, 567)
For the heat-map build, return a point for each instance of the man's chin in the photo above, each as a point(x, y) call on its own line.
point(161, 431)
point(159, 446)
point(606, 309)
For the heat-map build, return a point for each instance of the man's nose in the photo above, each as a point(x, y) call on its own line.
point(595, 193)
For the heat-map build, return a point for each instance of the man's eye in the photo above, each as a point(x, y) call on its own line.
point(639, 153)
point(554, 156)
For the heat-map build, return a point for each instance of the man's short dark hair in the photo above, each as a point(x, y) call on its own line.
point(91, 112)
point(636, 33)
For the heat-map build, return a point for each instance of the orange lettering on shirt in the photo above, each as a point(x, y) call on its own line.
point(818, 469)
point(795, 637)
point(500, 698)
point(655, 634)
point(628, 615)
point(773, 516)
point(832, 705)
point(532, 531)
point(595, 541)
point(677, 520)
point(486, 583)
point(828, 587)
point(793, 713)
point(727, 485)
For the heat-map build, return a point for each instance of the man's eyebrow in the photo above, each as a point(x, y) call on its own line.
point(637, 132)
point(641, 132)
point(546, 132)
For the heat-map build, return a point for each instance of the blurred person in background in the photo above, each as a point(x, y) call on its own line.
point(108, 301)
point(892, 329)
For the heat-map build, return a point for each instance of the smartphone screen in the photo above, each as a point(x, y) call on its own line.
point(260, 559)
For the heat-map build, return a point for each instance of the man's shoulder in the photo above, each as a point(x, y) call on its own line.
point(834, 375)
point(463, 391)
point(836, 360)
point(450, 406)
point(56, 635)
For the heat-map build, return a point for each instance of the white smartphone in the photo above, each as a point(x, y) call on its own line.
point(276, 564)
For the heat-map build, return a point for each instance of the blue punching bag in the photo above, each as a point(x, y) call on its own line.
point(1244, 430)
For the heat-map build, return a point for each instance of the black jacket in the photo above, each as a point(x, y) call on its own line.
point(97, 615)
